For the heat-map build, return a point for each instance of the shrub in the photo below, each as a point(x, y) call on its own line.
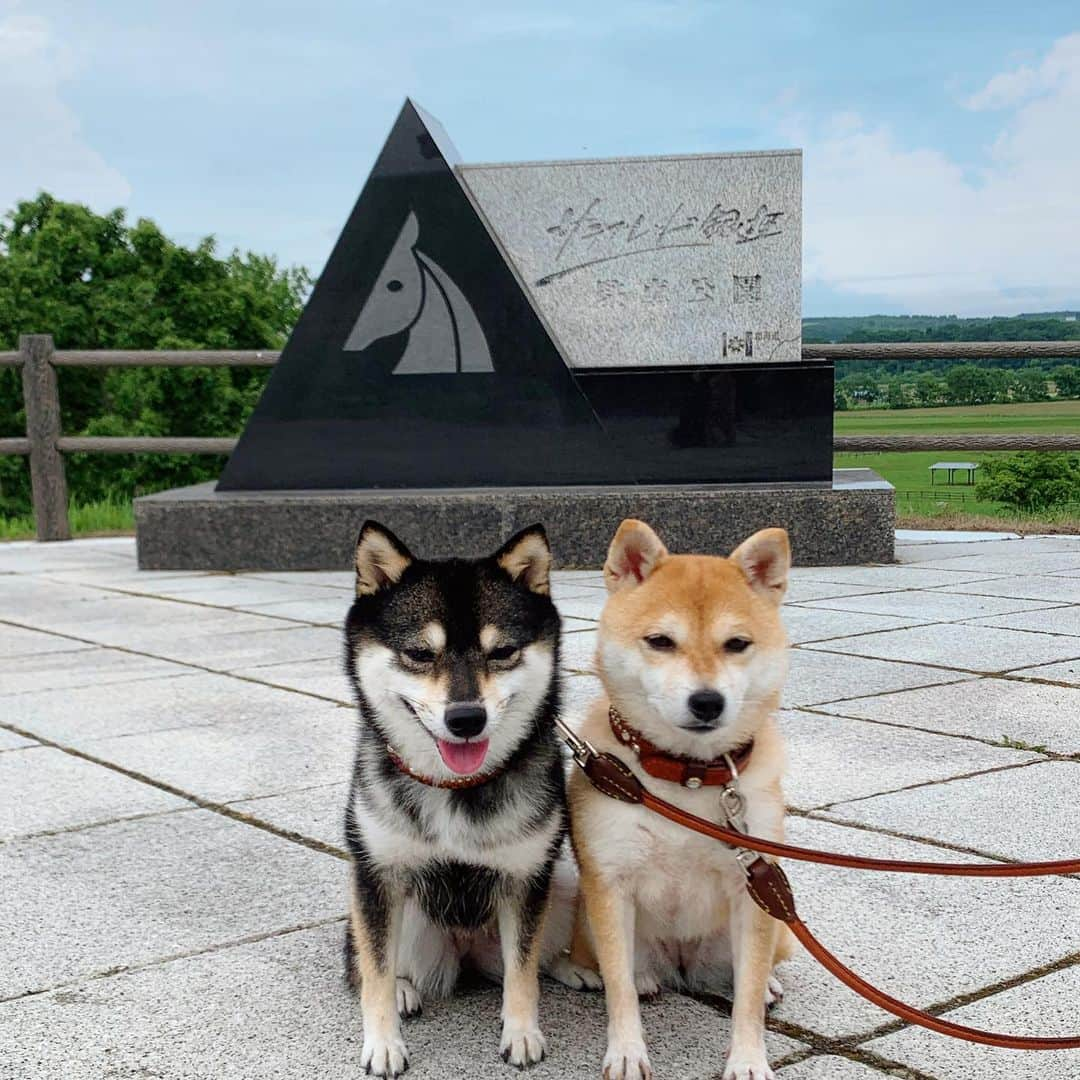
point(1030, 480)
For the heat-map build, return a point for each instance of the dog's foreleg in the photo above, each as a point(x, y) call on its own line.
point(375, 918)
point(753, 943)
point(521, 931)
point(611, 918)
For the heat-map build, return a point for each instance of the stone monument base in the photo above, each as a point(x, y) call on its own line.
point(199, 528)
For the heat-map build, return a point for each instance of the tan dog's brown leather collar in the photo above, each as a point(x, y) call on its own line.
point(453, 783)
point(687, 771)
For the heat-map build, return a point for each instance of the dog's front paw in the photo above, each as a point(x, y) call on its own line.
point(576, 976)
point(627, 1060)
point(384, 1056)
point(647, 985)
point(408, 1000)
point(522, 1045)
point(748, 1067)
point(774, 992)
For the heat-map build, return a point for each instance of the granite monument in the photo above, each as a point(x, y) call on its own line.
point(568, 341)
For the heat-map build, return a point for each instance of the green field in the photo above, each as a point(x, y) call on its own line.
point(910, 474)
point(1044, 417)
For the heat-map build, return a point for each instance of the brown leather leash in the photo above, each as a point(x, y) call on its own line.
point(771, 891)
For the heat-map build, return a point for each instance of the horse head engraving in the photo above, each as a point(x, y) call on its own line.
point(414, 293)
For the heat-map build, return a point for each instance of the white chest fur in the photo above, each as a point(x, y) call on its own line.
point(449, 834)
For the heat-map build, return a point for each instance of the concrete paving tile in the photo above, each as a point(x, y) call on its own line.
point(33, 558)
point(949, 536)
point(240, 759)
point(122, 575)
point(579, 692)
point(46, 789)
point(805, 624)
point(588, 607)
point(1012, 548)
point(10, 741)
point(801, 590)
point(1045, 1006)
point(18, 642)
point(578, 650)
point(323, 677)
point(1011, 562)
point(327, 579)
point(831, 759)
point(830, 1067)
point(193, 699)
point(128, 893)
point(931, 605)
point(974, 648)
point(1060, 590)
point(233, 651)
point(991, 709)
point(85, 667)
point(279, 1008)
point(1024, 814)
point(894, 577)
point(923, 939)
point(247, 594)
point(318, 812)
point(590, 579)
point(322, 610)
point(1058, 620)
point(1066, 672)
point(115, 618)
point(816, 677)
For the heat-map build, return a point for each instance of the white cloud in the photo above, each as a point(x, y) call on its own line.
point(43, 148)
point(915, 226)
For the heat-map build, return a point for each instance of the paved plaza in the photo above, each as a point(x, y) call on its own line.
point(173, 756)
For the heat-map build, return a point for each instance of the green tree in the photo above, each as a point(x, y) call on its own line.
point(95, 282)
point(896, 394)
point(928, 389)
point(1030, 480)
point(1031, 384)
point(966, 384)
point(1066, 379)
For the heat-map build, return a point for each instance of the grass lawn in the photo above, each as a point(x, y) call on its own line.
point(93, 519)
point(910, 475)
point(1045, 417)
point(919, 505)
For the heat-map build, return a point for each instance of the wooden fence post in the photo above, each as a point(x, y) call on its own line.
point(43, 431)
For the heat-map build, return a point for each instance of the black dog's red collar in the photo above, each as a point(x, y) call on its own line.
point(452, 783)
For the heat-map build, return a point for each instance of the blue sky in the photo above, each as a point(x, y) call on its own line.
point(942, 155)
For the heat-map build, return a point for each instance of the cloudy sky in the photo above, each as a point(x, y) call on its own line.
point(941, 139)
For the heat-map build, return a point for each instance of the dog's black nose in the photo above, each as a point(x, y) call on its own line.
point(466, 720)
point(706, 705)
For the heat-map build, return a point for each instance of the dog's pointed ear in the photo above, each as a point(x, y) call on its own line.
point(765, 559)
point(526, 557)
point(634, 554)
point(381, 559)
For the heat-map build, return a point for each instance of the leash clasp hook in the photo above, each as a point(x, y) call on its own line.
point(581, 749)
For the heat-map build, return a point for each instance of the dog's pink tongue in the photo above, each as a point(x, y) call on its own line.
point(463, 757)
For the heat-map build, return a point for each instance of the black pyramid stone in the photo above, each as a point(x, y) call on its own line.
point(418, 360)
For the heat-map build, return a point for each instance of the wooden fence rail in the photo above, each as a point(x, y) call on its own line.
point(45, 444)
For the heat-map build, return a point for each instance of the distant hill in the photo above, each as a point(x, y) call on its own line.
point(1039, 326)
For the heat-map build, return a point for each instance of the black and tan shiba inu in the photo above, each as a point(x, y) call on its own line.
point(692, 656)
point(456, 813)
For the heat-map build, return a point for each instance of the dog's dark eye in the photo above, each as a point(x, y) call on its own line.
point(737, 644)
point(419, 656)
point(660, 642)
point(503, 653)
point(395, 285)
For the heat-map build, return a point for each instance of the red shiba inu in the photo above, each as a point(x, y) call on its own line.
point(693, 656)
